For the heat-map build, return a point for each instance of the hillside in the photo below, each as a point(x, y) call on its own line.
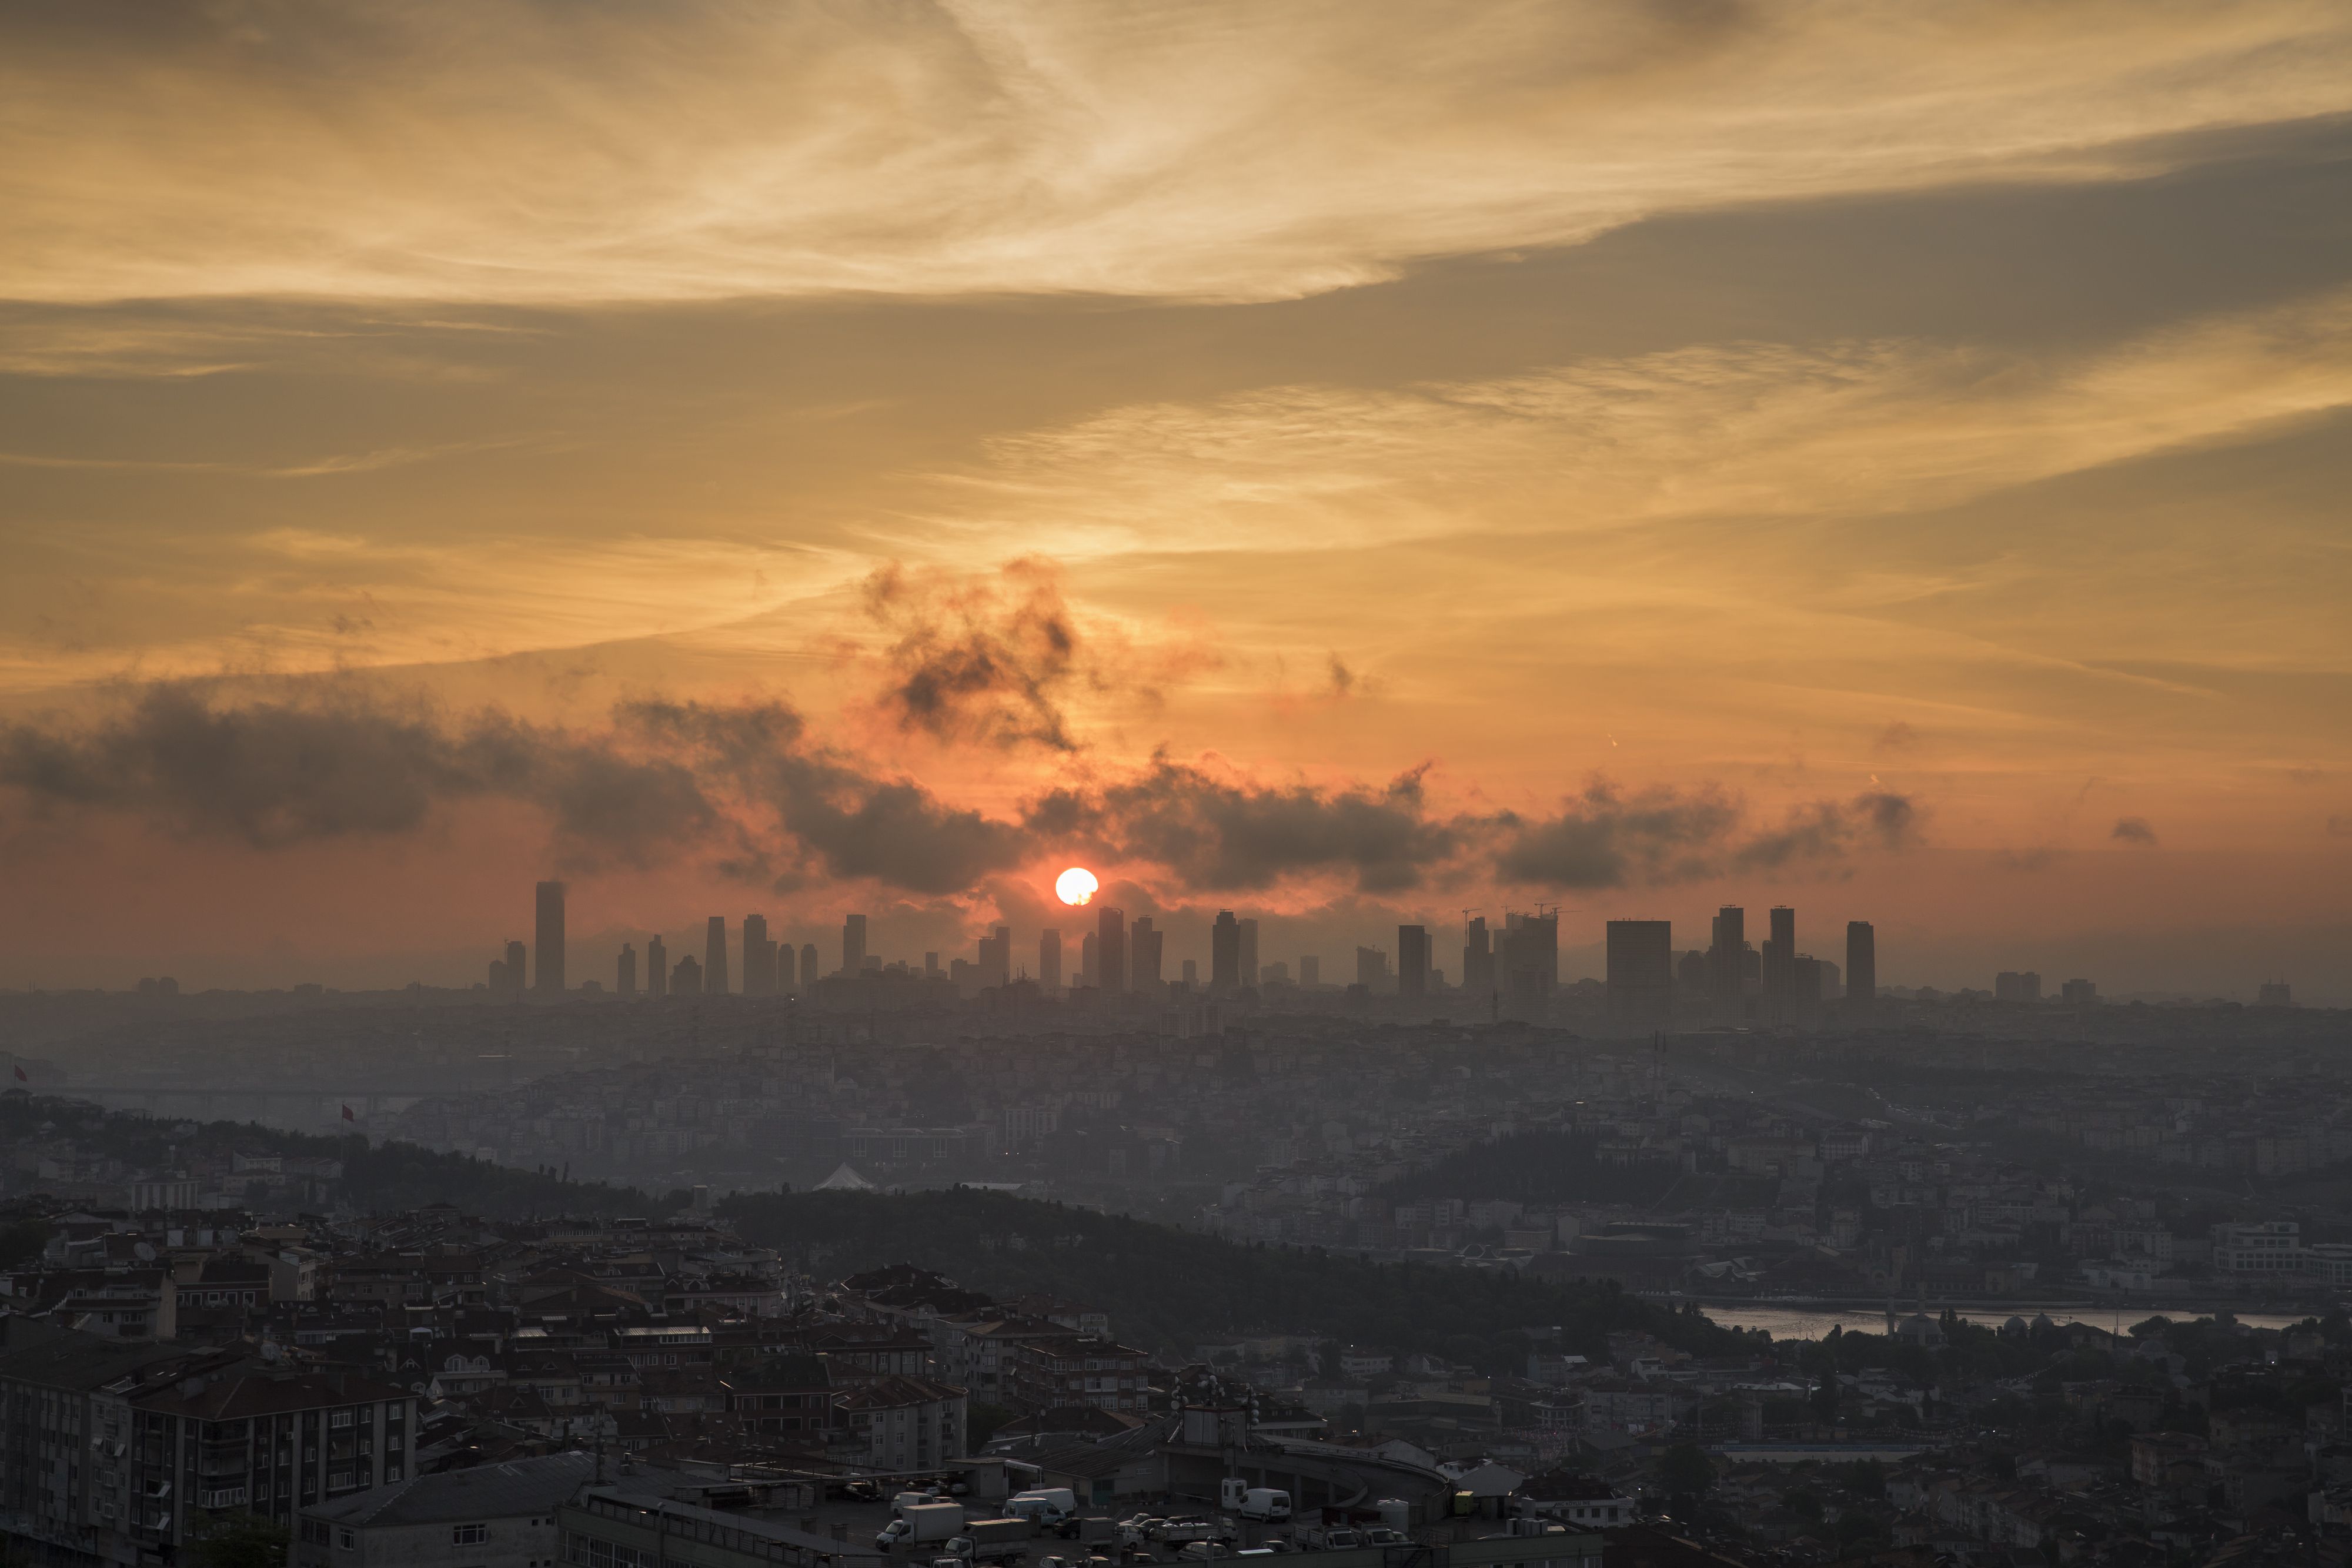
point(1170, 1290)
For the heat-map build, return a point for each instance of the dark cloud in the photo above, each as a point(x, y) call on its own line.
point(1343, 679)
point(989, 659)
point(1604, 839)
point(1897, 737)
point(2134, 831)
point(1221, 834)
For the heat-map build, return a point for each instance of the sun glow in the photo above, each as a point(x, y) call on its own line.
point(1076, 886)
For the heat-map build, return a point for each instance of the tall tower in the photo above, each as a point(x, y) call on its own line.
point(1727, 962)
point(759, 958)
point(1642, 972)
point(714, 957)
point(1781, 966)
point(1861, 963)
point(809, 971)
point(1249, 951)
point(625, 979)
point(550, 977)
point(852, 944)
point(1143, 947)
point(1110, 950)
point(787, 979)
point(518, 963)
point(1049, 959)
point(1477, 959)
point(1412, 960)
point(656, 968)
point(1226, 952)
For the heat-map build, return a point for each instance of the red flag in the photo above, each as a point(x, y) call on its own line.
point(347, 1114)
point(20, 1076)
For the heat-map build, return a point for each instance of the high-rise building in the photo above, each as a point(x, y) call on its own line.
point(2269, 994)
point(1861, 963)
point(1527, 963)
point(1781, 966)
point(1477, 959)
point(1110, 950)
point(1690, 978)
point(1089, 961)
point(852, 944)
point(1192, 973)
point(996, 957)
point(809, 973)
point(787, 975)
point(1372, 969)
point(1640, 955)
point(1412, 960)
point(625, 979)
point(2079, 993)
point(656, 968)
point(930, 966)
point(549, 973)
point(498, 980)
point(1225, 953)
point(759, 958)
point(2017, 985)
point(1249, 950)
point(1726, 963)
point(1310, 971)
point(1049, 959)
point(518, 965)
point(1144, 942)
point(686, 981)
point(714, 956)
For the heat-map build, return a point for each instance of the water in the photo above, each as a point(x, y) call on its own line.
point(1812, 1322)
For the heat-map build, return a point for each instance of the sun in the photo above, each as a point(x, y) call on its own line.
point(1076, 886)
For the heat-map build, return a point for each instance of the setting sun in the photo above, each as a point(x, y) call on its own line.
point(1076, 886)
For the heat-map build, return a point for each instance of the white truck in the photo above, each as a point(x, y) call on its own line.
point(1265, 1505)
point(994, 1541)
point(1048, 1505)
point(922, 1524)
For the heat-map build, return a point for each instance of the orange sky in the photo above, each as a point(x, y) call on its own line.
point(1772, 411)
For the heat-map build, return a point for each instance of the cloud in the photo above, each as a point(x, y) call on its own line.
point(747, 792)
point(1224, 150)
point(1897, 737)
point(982, 658)
point(2134, 831)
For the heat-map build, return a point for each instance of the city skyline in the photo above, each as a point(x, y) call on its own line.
point(1359, 463)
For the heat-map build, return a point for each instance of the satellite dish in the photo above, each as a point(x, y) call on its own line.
point(143, 1251)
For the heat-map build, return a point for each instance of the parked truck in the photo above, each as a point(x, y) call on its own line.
point(1046, 1505)
point(994, 1541)
point(922, 1524)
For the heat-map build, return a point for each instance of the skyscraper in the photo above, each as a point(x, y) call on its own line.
point(1225, 953)
point(1088, 960)
point(1310, 971)
point(1143, 947)
point(497, 979)
point(656, 968)
point(1110, 950)
point(1726, 963)
point(1192, 973)
point(1412, 960)
point(852, 944)
point(997, 957)
point(517, 963)
point(549, 973)
point(1049, 959)
point(714, 957)
point(759, 958)
point(1527, 963)
point(809, 971)
point(1861, 963)
point(1781, 966)
point(1372, 969)
point(1477, 959)
point(625, 979)
point(788, 981)
point(686, 981)
point(1642, 972)
point(1249, 951)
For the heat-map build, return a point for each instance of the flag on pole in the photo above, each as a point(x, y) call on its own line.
point(347, 1114)
point(20, 1076)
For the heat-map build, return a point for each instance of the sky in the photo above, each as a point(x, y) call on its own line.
point(1351, 463)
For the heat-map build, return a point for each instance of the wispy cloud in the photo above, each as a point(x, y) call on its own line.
point(508, 149)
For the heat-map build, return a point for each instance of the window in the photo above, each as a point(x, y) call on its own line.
point(468, 1535)
point(314, 1531)
point(341, 1418)
point(347, 1539)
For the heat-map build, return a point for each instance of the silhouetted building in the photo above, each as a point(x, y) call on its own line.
point(1225, 953)
point(1640, 975)
point(1861, 963)
point(624, 978)
point(656, 968)
point(498, 980)
point(1781, 966)
point(787, 980)
point(2273, 994)
point(686, 981)
point(1726, 963)
point(1144, 942)
point(714, 956)
point(1248, 934)
point(1110, 950)
point(759, 958)
point(852, 944)
point(1412, 960)
point(1372, 969)
point(1049, 960)
point(1192, 973)
point(1690, 978)
point(1088, 960)
point(1526, 963)
point(1477, 959)
point(2078, 993)
point(549, 973)
point(809, 973)
point(996, 957)
point(1310, 971)
point(2017, 985)
point(517, 966)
